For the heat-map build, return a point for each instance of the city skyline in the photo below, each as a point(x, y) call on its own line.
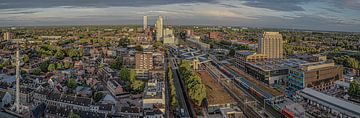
point(312, 15)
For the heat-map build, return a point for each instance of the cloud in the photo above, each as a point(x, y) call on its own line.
point(14, 4)
point(346, 4)
point(312, 14)
point(19, 12)
point(279, 5)
point(229, 5)
point(332, 10)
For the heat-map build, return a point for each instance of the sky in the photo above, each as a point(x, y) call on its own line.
point(329, 15)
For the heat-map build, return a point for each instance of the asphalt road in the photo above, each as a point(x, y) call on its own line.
point(167, 92)
point(179, 90)
point(6, 115)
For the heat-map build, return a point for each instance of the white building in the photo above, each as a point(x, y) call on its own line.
point(7, 36)
point(145, 22)
point(159, 28)
point(169, 37)
point(154, 99)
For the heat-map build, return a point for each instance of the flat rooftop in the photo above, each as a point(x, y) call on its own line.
point(332, 102)
point(215, 94)
point(276, 64)
point(245, 53)
point(256, 84)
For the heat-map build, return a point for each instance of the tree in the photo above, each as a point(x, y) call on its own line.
point(59, 54)
point(116, 63)
point(173, 99)
point(139, 48)
point(36, 71)
point(197, 93)
point(73, 53)
point(25, 58)
point(125, 74)
point(83, 41)
point(67, 64)
point(185, 64)
point(73, 115)
point(81, 52)
point(51, 67)
point(137, 86)
point(132, 75)
point(124, 42)
point(352, 63)
point(232, 52)
point(44, 66)
point(22, 72)
point(71, 83)
point(288, 49)
point(354, 89)
point(196, 89)
point(158, 44)
point(98, 96)
point(59, 65)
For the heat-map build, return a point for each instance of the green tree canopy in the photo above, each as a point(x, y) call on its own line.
point(125, 74)
point(352, 63)
point(51, 67)
point(158, 44)
point(137, 86)
point(232, 52)
point(73, 53)
point(44, 66)
point(73, 115)
point(71, 83)
point(25, 58)
point(132, 75)
point(124, 42)
point(354, 89)
point(59, 65)
point(98, 96)
point(116, 63)
point(36, 71)
point(67, 64)
point(195, 87)
point(59, 54)
point(81, 52)
point(139, 48)
point(197, 90)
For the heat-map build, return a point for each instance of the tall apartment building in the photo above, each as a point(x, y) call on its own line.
point(145, 22)
point(271, 44)
point(144, 61)
point(7, 36)
point(316, 75)
point(159, 28)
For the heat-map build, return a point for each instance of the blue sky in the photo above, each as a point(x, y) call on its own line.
point(334, 15)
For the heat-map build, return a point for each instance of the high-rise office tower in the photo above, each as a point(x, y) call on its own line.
point(271, 44)
point(159, 28)
point(7, 36)
point(145, 22)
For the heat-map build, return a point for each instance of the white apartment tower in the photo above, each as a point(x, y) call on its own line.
point(159, 28)
point(145, 22)
point(7, 36)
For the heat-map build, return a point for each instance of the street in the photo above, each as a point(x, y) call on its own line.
point(179, 89)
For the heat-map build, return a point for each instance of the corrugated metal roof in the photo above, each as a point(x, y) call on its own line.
point(334, 103)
